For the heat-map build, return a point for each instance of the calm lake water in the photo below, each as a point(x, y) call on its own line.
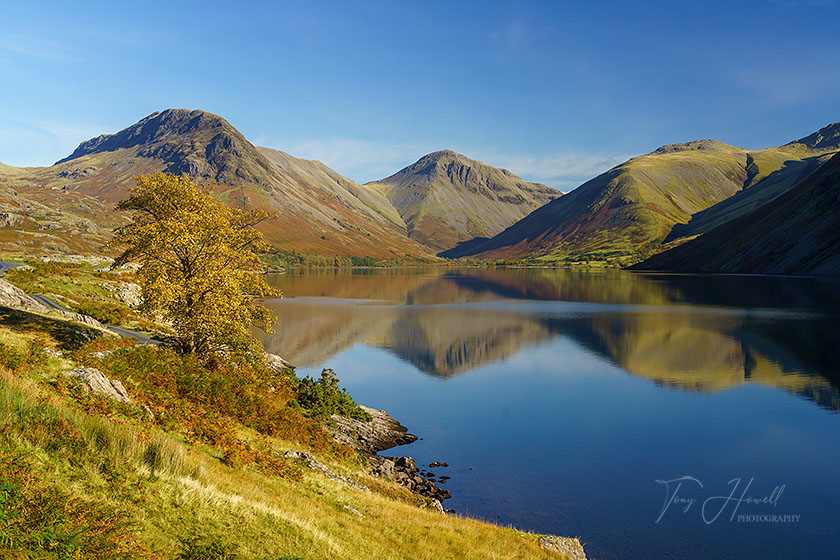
point(571, 402)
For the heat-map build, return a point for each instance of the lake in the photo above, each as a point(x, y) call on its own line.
point(653, 416)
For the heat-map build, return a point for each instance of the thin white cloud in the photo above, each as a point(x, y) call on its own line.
point(364, 160)
point(42, 143)
point(564, 170)
point(360, 160)
point(30, 46)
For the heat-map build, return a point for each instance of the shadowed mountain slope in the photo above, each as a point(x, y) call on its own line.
point(658, 200)
point(446, 198)
point(796, 233)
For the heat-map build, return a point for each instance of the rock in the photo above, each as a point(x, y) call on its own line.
point(316, 465)
point(94, 380)
point(403, 471)
point(277, 364)
point(148, 412)
point(380, 433)
point(8, 219)
point(435, 505)
point(384, 467)
point(353, 510)
point(127, 292)
point(564, 545)
point(434, 464)
point(130, 294)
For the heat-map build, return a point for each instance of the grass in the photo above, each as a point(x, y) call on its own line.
point(82, 477)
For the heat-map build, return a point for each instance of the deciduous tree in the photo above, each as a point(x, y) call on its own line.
point(198, 263)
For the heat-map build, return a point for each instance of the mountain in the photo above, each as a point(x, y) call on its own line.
point(658, 200)
point(345, 190)
point(446, 198)
point(320, 212)
point(793, 234)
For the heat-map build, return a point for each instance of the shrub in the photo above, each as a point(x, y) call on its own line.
point(15, 360)
point(105, 312)
point(10, 357)
point(324, 397)
point(206, 402)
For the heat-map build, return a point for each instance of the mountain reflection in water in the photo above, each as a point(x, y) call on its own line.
point(695, 333)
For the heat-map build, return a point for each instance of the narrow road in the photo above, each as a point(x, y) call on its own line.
point(120, 331)
point(4, 266)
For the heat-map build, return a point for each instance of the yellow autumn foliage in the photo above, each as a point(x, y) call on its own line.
point(198, 263)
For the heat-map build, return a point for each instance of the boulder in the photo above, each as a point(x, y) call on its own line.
point(277, 364)
point(380, 433)
point(564, 545)
point(9, 219)
point(316, 465)
point(130, 294)
point(94, 380)
point(435, 505)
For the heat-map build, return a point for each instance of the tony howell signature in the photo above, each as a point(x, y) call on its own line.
point(682, 494)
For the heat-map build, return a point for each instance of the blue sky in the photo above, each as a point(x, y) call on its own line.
point(555, 91)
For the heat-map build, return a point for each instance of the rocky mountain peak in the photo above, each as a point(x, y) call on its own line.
point(160, 125)
point(826, 138)
point(200, 144)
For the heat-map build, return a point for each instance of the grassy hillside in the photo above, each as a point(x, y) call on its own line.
point(626, 211)
point(793, 234)
point(85, 477)
point(446, 198)
point(657, 201)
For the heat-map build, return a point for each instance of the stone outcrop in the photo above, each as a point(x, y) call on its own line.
point(564, 545)
point(380, 433)
point(9, 219)
point(127, 292)
point(316, 465)
point(277, 364)
point(94, 380)
point(14, 297)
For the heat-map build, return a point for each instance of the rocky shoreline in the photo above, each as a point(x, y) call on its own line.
point(380, 433)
